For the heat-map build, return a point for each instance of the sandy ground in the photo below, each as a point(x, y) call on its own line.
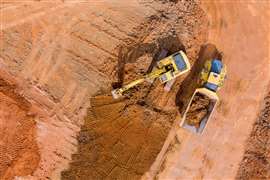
point(58, 54)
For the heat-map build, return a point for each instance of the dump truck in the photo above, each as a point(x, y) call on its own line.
point(204, 100)
point(166, 70)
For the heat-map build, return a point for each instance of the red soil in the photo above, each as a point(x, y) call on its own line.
point(18, 148)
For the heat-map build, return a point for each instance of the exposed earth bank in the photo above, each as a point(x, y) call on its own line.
point(56, 55)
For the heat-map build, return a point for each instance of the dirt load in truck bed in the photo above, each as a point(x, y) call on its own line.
point(198, 109)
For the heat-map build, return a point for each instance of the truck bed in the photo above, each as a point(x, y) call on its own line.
point(199, 110)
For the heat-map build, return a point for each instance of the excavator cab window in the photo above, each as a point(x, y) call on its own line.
point(179, 61)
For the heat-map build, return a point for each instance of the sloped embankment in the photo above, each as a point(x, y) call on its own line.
point(256, 161)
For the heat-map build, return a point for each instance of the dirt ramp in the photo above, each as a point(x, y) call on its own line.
point(118, 141)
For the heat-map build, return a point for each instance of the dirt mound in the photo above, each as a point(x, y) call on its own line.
point(198, 109)
point(18, 149)
point(119, 140)
point(256, 160)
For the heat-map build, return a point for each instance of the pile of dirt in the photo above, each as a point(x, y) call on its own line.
point(256, 161)
point(198, 109)
point(120, 140)
point(18, 149)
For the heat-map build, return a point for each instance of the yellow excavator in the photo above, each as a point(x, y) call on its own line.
point(167, 69)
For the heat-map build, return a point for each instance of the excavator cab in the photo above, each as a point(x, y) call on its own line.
point(175, 65)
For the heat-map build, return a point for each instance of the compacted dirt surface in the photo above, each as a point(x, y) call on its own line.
point(59, 60)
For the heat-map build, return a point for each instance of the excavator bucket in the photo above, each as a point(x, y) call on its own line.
point(116, 94)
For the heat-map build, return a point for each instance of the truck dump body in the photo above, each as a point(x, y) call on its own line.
point(199, 110)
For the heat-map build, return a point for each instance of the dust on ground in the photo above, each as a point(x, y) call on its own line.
point(18, 148)
point(198, 109)
point(256, 161)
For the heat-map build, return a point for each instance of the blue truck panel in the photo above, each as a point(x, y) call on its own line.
point(216, 66)
point(211, 86)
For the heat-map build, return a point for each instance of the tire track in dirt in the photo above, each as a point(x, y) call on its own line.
point(17, 147)
point(27, 17)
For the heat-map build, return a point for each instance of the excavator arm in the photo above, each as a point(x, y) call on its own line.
point(117, 93)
